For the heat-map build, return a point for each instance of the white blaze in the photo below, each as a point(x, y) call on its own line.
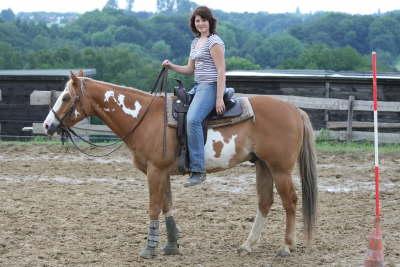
point(227, 152)
point(51, 119)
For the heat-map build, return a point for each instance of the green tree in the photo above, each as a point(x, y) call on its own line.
point(10, 58)
point(238, 63)
point(185, 6)
point(111, 4)
point(161, 50)
point(7, 15)
point(166, 5)
point(323, 57)
point(129, 5)
point(275, 50)
point(385, 34)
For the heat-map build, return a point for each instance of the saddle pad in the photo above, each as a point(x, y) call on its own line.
point(246, 114)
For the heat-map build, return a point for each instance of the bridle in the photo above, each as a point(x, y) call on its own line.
point(73, 106)
point(67, 133)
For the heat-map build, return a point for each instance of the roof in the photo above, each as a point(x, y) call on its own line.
point(310, 74)
point(44, 73)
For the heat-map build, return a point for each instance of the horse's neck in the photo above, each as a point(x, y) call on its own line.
point(118, 107)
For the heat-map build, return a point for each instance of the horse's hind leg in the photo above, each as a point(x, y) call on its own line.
point(287, 192)
point(171, 247)
point(265, 199)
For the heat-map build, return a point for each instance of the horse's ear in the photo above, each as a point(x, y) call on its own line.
point(73, 78)
point(81, 73)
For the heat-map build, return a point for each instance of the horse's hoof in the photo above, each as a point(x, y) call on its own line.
point(148, 253)
point(244, 250)
point(171, 249)
point(283, 252)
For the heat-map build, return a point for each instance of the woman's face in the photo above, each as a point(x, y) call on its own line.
point(202, 25)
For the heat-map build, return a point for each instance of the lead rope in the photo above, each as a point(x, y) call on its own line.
point(165, 113)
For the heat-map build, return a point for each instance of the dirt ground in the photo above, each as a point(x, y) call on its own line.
point(60, 208)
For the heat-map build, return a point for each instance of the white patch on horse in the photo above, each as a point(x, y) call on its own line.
point(255, 233)
point(51, 119)
point(108, 95)
point(228, 150)
point(132, 112)
point(77, 113)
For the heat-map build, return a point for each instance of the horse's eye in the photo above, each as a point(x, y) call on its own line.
point(66, 98)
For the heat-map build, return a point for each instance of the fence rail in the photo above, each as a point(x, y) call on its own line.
point(329, 104)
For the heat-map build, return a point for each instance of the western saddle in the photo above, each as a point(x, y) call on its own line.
point(180, 108)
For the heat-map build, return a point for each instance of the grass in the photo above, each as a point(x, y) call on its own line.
point(353, 147)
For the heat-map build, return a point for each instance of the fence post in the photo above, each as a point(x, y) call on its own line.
point(327, 95)
point(349, 135)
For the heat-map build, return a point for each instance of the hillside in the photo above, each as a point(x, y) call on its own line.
point(127, 47)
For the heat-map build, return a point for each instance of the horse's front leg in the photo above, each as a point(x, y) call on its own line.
point(157, 181)
point(171, 247)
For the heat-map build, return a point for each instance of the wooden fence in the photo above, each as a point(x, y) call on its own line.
point(335, 130)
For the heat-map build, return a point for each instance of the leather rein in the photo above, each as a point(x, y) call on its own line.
point(68, 133)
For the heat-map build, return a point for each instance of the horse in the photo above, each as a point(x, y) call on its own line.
point(279, 136)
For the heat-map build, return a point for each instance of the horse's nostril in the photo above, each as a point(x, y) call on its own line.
point(46, 126)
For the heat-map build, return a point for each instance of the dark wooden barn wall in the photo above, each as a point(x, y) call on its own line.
point(15, 109)
point(361, 89)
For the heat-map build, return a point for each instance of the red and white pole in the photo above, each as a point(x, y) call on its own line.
point(376, 167)
point(375, 251)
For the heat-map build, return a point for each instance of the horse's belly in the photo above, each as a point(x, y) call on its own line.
point(220, 151)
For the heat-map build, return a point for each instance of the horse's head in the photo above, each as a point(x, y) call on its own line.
point(69, 107)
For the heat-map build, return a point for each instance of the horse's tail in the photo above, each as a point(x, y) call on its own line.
point(308, 174)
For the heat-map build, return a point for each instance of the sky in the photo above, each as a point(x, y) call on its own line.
point(280, 6)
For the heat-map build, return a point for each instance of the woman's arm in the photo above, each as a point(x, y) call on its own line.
point(217, 54)
point(187, 69)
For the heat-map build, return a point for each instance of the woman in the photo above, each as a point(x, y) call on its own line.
point(207, 62)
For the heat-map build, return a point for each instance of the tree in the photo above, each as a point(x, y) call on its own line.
point(166, 5)
point(9, 57)
point(275, 50)
point(129, 5)
point(7, 15)
point(161, 50)
point(185, 6)
point(239, 63)
point(111, 4)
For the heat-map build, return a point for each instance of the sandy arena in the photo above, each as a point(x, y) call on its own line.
point(59, 208)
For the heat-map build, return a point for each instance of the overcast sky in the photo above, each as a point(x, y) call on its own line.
point(279, 6)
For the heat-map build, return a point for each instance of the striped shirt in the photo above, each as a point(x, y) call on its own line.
point(204, 66)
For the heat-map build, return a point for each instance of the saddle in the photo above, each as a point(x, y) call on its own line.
point(180, 106)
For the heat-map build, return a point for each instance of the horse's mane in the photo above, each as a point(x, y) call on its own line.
point(116, 86)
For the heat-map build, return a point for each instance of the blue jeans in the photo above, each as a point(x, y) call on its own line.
point(203, 103)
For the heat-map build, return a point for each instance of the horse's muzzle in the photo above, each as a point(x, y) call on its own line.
point(50, 129)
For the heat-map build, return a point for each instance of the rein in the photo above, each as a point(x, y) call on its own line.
point(67, 132)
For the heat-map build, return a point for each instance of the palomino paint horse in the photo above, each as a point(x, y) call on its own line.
point(279, 136)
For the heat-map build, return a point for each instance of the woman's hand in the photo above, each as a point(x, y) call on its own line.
point(220, 106)
point(166, 63)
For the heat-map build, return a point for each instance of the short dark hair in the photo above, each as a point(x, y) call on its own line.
point(205, 13)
